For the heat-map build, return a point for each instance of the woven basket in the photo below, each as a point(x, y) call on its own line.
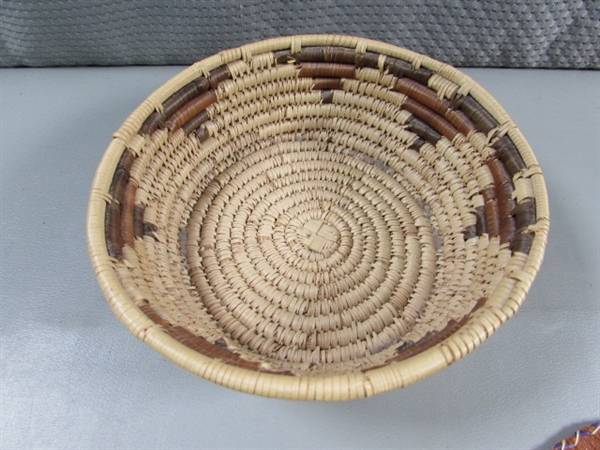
point(317, 217)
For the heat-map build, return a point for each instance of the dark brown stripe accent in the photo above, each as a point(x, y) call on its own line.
point(112, 225)
point(179, 98)
point(282, 56)
point(423, 130)
point(150, 229)
point(339, 55)
point(429, 98)
point(481, 223)
point(203, 84)
point(491, 215)
point(343, 55)
point(127, 213)
point(525, 214)
point(470, 232)
point(504, 196)
point(491, 211)
point(488, 194)
point(218, 75)
point(430, 117)
point(154, 121)
point(190, 109)
point(509, 155)
point(460, 120)
point(182, 238)
point(327, 70)
point(422, 94)
point(313, 54)
point(217, 350)
point(499, 172)
point(138, 221)
point(327, 83)
point(126, 161)
point(369, 59)
point(417, 144)
point(153, 316)
point(327, 96)
point(401, 68)
point(202, 134)
point(507, 229)
point(117, 187)
point(504, 188)
point(431, 339)
point(522, 243)
point(204, 347)
point(195, 122)
point(330, 54)
point(482, 119)
point(506, 205)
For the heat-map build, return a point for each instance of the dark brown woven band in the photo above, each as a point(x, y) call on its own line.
point(434, 117)
point(217, 350)
point(409, 349)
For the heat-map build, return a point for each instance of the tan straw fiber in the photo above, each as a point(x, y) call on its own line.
point(317, 218)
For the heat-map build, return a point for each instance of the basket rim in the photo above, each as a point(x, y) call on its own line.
point(499, 307)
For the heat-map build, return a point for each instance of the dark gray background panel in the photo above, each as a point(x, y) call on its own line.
point(497, 33)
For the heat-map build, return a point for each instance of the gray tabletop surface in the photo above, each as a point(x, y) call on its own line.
point(73, 376)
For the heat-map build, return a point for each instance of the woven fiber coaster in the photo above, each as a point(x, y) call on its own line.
point(317, 217)
point(588, 438)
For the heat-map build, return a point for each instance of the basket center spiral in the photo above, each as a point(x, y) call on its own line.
point(319, 236)
point(302, 253)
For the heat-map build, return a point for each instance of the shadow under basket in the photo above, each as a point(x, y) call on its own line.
point(317, 218)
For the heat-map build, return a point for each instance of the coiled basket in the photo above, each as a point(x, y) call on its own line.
point(317, 217)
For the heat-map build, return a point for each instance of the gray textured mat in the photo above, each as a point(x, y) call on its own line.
point(501, 33)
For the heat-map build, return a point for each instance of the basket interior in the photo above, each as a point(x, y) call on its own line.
point(322, 209)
